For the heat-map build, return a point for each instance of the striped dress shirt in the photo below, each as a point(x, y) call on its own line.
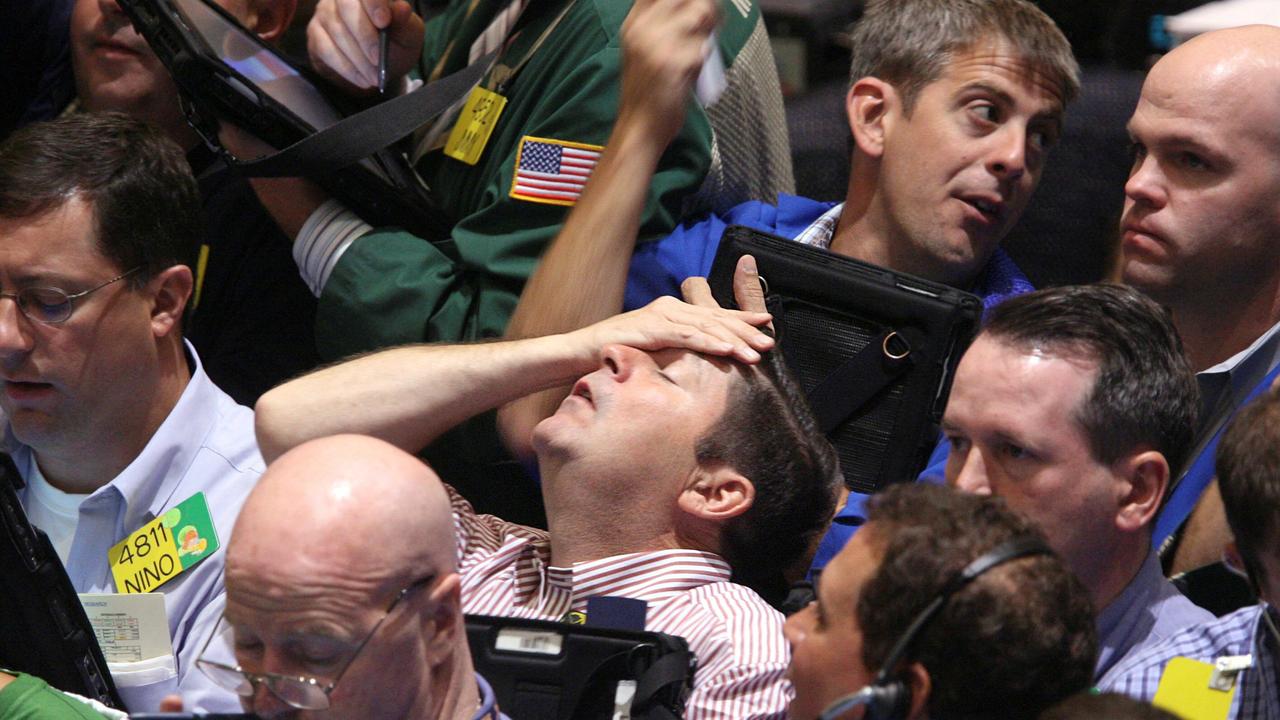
point(735, 635)
point(1243, 632)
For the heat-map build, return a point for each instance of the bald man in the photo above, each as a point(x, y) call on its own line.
point(342, 568)
point(1201, 235)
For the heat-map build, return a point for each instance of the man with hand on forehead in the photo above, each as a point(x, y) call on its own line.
point(675, 473)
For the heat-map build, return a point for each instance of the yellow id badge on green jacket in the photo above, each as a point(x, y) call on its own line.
point(475, 124)
point(159, 551)
point(1185, 691)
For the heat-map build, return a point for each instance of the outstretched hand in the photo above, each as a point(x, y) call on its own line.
point(664, 43)
point(669, 323)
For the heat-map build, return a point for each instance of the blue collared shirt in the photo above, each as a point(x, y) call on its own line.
point(1243, 632)
point(1148, 610)
point(206, 444)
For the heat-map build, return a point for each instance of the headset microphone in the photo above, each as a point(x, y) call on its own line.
point(889, 699)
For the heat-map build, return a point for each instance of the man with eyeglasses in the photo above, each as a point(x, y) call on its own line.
point(135, 463)
point(343, 594)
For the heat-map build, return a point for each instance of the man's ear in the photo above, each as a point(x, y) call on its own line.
point(1144, 476)
point(270, 18)
point(170, 290)
point(869, 106)
point(717, 493)
point(917, 678)
point(443, 621)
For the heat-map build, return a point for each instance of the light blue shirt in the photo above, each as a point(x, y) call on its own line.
point(1244, 632)
point(206, 444)
point(1148, 610)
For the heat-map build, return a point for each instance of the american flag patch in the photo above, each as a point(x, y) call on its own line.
point(552, 171)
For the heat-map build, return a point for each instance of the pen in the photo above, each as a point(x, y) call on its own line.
point(382, 61)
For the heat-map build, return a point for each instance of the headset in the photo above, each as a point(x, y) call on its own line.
point(889, 699)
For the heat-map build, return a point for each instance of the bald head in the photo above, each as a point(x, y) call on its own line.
point(1238, 69)
point(342, 567)
point(332, 500)
point(1201, 222)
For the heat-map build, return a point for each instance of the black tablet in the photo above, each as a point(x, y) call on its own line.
point(225, 72)
point(44, 630)
point(875, 350)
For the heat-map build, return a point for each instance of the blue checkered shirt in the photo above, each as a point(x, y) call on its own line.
point(1240, 633)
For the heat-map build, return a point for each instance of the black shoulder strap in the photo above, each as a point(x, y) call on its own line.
point(859, 378)
point(358, 136)
point(668, 674)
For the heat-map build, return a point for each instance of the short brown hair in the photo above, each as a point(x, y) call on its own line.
point(909, 43)
point(1008, 645)
point(1248, 466)
point(768, 434)
point(146, 205)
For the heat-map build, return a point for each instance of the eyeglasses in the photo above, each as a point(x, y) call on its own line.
point(297, 691)
point(52, 306)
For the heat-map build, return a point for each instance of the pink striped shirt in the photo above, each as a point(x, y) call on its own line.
point(736, 635)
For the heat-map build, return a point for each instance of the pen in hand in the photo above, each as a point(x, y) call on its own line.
point(383, 37)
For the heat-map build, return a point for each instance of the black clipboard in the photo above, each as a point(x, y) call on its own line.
point(874, 350)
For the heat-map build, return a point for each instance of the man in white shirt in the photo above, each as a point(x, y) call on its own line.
point(111, 420)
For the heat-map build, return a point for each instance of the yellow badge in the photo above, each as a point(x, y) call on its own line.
point(159, 551)
point(475, 124)
point(1194, 690)
point(553, 172)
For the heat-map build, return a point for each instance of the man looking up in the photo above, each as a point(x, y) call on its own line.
point(1009, 644)
point(110, 417)
point(669, 476)
point(252, 317)
point(1201, 235)
point(343, 568)
point(1072, 404)
point(1248, 470)
point(953, 106)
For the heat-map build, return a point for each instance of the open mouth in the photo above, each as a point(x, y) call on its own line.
point(20, 390)
point(990, 209)
point(582, 390)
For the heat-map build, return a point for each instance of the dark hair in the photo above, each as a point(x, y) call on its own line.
point(1010, 644)
point(1248, 466)
point(909, 43)
point(1145, 392)
point(146, 205)
point(768, 434)
point(1106, 706)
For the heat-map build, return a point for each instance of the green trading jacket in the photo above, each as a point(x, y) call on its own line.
point(391, 287)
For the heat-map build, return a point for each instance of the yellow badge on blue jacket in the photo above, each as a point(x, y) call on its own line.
point(552, 172)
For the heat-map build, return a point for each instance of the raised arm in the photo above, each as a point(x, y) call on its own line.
point(582, 275)
point(410, 395)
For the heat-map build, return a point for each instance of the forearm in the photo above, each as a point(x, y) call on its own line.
point(581, 278)
point(289, 201)
point(410, 395)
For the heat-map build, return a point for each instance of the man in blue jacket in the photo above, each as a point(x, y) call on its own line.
point(953, 106)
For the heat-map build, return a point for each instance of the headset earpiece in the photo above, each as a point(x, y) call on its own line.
point(889, 699)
